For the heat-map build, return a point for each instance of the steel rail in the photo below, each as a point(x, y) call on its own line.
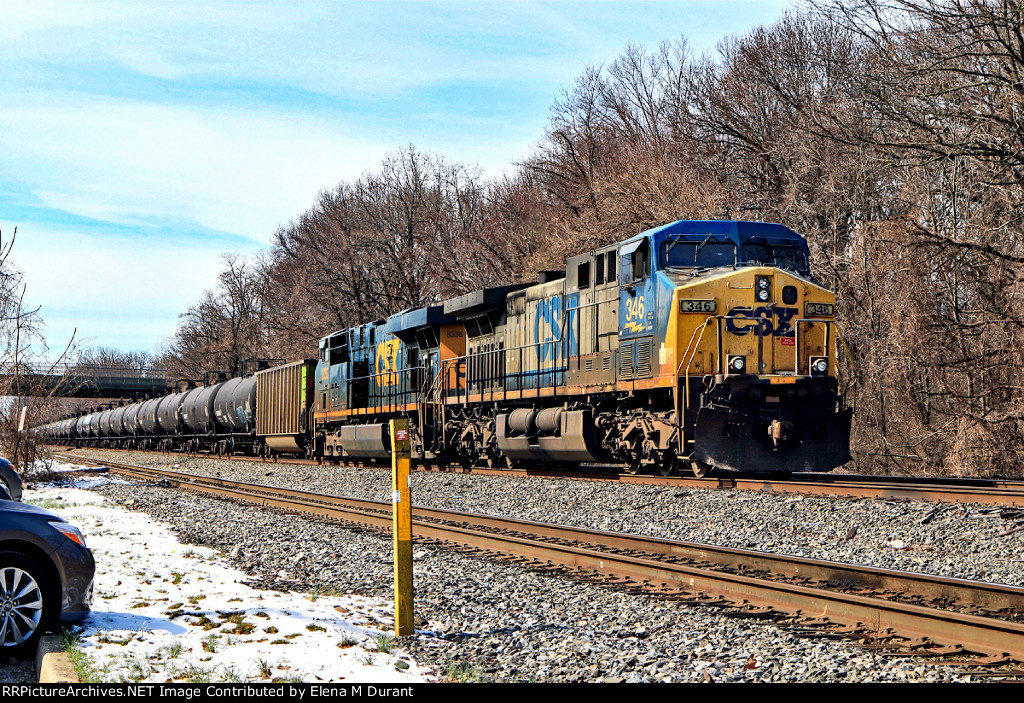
point(577, 548)
point(996, 492)
point(981, 594)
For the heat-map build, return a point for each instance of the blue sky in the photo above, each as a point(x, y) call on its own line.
point(141, 141)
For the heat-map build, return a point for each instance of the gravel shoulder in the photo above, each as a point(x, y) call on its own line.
point(17, 671)
point(484, 620)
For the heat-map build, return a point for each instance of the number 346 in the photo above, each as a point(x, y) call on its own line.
point(635, 308)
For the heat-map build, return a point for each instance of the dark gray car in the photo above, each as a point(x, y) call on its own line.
point(46, 574)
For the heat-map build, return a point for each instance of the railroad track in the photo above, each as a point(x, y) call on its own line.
point(905, 612)
point(995, 492)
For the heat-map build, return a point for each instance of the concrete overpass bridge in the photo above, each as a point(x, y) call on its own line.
point(82, 381)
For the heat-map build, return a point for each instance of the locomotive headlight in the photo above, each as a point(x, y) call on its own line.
point(763, 288)
point(819, 365)
point(737, 363)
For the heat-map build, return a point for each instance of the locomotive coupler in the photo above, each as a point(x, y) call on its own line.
point(780, 431)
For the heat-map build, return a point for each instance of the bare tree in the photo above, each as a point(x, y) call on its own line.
point(27, 400)
point(225, 328)
point(419, 230)
point(110, 358)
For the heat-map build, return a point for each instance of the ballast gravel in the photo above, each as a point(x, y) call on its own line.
point(17, 670)
point(486, 620)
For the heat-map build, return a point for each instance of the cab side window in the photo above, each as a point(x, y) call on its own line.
point(635, 263)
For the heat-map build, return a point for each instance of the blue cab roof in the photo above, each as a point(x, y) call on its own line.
point(738, 231)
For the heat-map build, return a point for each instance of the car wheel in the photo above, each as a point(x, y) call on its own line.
point(27, 603)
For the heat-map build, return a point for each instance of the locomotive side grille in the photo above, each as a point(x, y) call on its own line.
point(635, 358)
point(626, 360)
point(643, 358)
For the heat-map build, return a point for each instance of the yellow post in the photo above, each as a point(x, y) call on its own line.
point(401, 501)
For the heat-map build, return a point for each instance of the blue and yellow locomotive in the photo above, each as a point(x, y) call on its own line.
point(699, 344)
point(694, 345)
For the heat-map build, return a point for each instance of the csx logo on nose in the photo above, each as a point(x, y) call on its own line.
point(760, 322)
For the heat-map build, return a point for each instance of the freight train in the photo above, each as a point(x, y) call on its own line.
point(696, 345)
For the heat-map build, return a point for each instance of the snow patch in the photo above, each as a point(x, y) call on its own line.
point(164, 611)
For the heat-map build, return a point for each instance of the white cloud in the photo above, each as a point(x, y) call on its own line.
point(334, 48)
point(367, 48)
point(116, 290)
point(234, 170)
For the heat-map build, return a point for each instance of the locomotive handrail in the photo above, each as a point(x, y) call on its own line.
point(447, 365)
point(393, 392)
point(680, 410)
point(561, 340)
point(809, 321)
point(849, 359)
point(830, 324)
point(695, 343)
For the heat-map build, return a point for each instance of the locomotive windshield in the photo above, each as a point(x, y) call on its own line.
point(766, 253)
point(712, 251)
point(708, 252)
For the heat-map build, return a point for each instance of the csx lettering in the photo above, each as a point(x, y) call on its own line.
point(387, 362)
point(547, 327)
point(760, 322)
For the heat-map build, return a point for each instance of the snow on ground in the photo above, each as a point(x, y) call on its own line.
point(164, 611)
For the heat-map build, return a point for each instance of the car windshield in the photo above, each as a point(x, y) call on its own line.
point(784, 256)
point(708, 252)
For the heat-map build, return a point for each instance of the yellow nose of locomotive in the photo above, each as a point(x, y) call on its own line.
point(757, 372)
point(757, 321)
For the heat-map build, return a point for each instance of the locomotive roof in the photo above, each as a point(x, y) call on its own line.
point(739, 231)
point(418, 318)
